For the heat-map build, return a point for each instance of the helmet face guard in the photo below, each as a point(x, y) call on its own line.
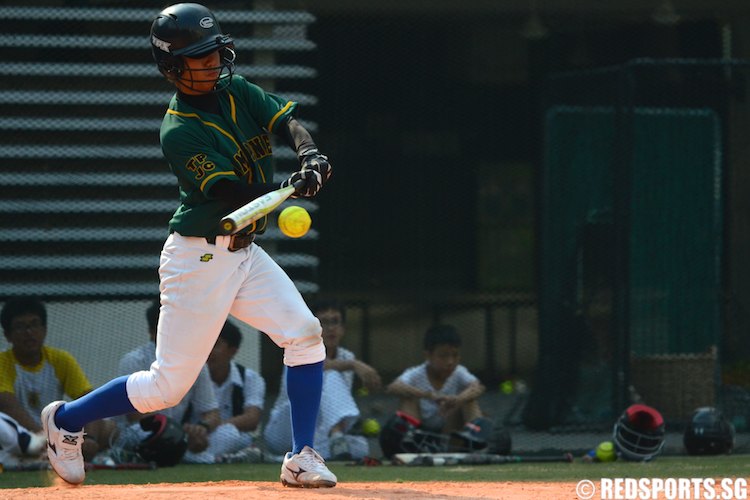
point(224, 70)
point(190, 30)
point(639, 433)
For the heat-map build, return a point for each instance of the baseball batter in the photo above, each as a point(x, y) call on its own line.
point(215, 136)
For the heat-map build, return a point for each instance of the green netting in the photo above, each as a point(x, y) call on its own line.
point(576, 208)
point(668, 302)
point(675, 245)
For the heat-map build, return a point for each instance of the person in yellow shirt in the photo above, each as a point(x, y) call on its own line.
point(33, 374)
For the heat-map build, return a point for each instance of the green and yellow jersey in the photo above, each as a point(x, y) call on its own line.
point(203, 147)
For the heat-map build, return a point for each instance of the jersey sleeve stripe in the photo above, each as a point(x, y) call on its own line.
point(277, 115)
point(215, 174)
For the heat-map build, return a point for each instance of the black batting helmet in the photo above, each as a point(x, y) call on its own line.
point(639, 433)
point(190, 30)
point(166, 443)
point(708, 433)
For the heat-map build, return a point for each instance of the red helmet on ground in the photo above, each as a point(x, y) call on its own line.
point(639, 433)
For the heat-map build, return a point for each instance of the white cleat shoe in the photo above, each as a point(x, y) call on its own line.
point(306, 469)
point(63, 447)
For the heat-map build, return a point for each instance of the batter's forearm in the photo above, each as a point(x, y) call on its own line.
point(296, 136)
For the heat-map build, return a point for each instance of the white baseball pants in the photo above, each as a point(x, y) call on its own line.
point(200, 285)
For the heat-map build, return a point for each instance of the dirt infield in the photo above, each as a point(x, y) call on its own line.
point(235, 490)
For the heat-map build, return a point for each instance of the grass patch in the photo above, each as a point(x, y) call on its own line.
point(689, 467)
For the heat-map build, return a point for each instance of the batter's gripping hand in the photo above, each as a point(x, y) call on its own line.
point(312, 159)
point(306, 183)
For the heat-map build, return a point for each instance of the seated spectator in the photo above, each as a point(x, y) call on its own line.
point(33, 374)
point(198, 412)
point(440, 392)
point(240, 392)
point(338, 410)
point(18, 444)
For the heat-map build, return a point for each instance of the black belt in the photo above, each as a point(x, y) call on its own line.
point(236, 241)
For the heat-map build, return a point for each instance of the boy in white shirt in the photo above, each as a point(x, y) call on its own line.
point(440, 392)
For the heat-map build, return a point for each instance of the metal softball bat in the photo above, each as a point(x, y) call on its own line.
point(435, 459)
point(489, 458)
point(254, 210)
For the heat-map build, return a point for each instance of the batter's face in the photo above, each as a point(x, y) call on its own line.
point(26, 335)
point(333, 327)
point(443, 359)
point(199, 75)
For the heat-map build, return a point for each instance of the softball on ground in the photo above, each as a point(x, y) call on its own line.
point(294, 221)
point(605, 452)
point(370, 427)
point(506, 387)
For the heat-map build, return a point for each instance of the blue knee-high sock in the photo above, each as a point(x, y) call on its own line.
point(107, 401)
point(304, 385)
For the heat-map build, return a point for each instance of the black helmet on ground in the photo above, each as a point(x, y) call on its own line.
point(708, 433)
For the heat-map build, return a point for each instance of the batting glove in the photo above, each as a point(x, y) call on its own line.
point(312, 159)
point(306, 183)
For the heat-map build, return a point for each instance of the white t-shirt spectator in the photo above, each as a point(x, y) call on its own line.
point(416, 376)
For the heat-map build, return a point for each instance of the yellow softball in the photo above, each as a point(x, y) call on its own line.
point(294, 221)
point(370, 427)
point(605, 452)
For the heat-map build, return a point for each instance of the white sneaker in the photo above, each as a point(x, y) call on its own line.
point(306, 469)
point(63, 447)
